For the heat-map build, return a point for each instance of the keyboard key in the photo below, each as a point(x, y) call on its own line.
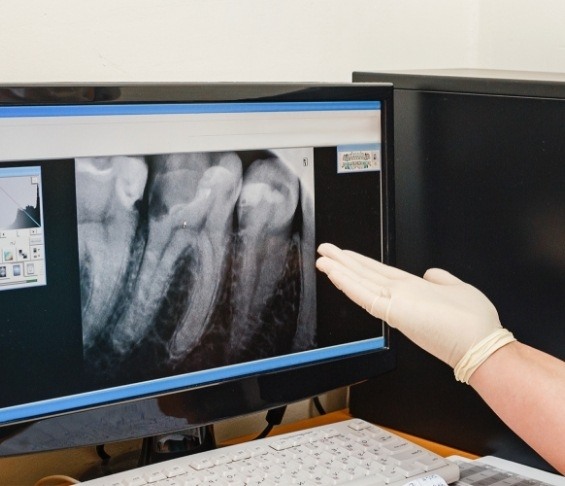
point(398, 446)
point(430, 462)
point(154, 476)
point(135, 480)
point(190, 481)
point(174, 470)
point(408, 456)
point(202, 462)
point(359, 425)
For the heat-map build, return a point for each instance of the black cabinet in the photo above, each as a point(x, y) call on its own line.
point(480, 191)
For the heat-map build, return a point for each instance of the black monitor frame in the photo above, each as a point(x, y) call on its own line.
point(208, 404)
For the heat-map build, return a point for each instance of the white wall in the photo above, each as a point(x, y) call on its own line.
point(261, 40)
point(522, 35)
point(227, 40)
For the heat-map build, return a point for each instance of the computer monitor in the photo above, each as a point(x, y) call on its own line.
point(158, 246)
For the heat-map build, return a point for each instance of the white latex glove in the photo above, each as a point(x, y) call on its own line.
point(440, 313)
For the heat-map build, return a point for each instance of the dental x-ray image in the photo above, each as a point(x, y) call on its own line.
point(194, 260)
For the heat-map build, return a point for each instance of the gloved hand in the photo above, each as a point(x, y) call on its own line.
point(440, 313)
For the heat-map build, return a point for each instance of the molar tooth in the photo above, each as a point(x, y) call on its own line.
point(268, 202)
point(107, 222)
point(194, 217)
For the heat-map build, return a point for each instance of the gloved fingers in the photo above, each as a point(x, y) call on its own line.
point(355, 272)
point(373, 299)
point(362, 265)
point(376, 266)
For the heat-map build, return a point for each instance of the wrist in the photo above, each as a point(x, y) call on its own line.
point(480, 352)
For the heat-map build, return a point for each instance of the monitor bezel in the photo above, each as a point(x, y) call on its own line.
point(252, 393)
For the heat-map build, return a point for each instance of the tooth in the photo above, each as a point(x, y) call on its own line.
point(265, 211)
point(108, 189)
point(218, 190)
point(186, 215)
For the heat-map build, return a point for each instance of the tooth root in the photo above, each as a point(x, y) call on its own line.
point(268, 202)
point(106, 229)
point(222, 187)
point(181, 221)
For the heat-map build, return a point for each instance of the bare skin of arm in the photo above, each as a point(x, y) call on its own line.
point(525, 387)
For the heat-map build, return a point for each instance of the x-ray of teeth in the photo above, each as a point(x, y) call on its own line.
point(195, 260)
point(189, 199)
point(110, 190)
point(265, 212)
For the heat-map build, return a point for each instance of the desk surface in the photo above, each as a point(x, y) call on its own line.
point(27, 470)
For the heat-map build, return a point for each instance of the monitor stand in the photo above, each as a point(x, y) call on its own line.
point(154, 449)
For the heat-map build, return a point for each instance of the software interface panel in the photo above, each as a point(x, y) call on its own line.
point(22, 251)
point(162, 246)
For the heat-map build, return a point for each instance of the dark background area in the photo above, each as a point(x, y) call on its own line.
point(40, 327)
point(348, 214)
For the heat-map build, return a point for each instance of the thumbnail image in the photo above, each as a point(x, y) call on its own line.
point(195, 260)
point(20, 204)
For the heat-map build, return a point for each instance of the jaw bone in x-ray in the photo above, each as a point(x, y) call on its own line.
point(211, 253)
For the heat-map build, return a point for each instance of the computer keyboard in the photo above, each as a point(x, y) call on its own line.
point(352, 452)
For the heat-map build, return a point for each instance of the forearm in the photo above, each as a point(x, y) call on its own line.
point(526, 389)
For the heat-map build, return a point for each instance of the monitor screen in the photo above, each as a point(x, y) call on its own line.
point(157, 250)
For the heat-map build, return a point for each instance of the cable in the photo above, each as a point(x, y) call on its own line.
point(318, 404)
point(274, 417)
point(102, 454)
